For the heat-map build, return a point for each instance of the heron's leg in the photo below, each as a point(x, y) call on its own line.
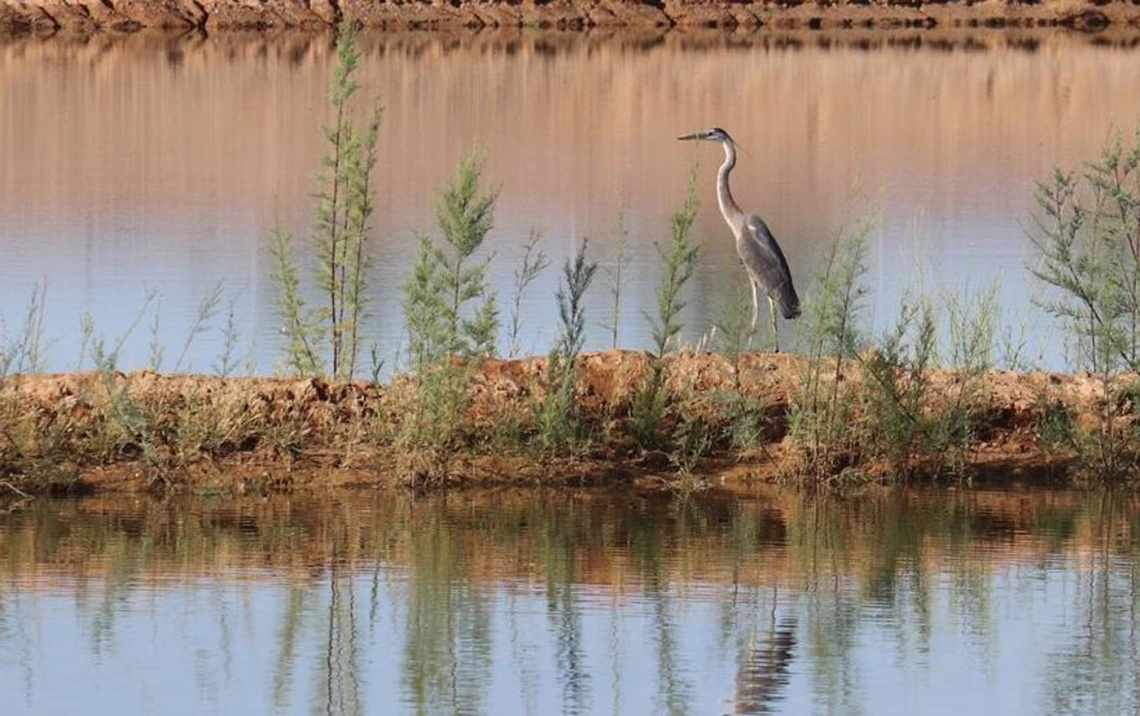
point(772, 312)
point(755, 311)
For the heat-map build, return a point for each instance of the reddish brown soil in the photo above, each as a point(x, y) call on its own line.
point(91, 16)
point(259, 434)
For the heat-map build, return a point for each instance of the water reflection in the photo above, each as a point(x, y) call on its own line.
point(579, 603)
point(163, 162)
point(762, 673)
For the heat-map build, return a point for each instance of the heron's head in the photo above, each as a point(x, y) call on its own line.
point(715, 134)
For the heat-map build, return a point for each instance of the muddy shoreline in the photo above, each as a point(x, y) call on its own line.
point(89, 17)
point(142, 431)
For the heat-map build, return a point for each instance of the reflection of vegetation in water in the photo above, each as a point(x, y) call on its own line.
point(446, 665)
point(564, 615)
point(338, 675)
point(447, 595)
point(289, 634)
point(1096, 670)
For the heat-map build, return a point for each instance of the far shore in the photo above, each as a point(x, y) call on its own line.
point(91, 17)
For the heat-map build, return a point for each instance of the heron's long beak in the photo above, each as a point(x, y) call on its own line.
point(694, 135)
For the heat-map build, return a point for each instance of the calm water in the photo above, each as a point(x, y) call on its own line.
point(163, 163)
point(513, 603)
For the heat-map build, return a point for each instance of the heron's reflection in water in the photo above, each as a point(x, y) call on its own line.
point(762, 672)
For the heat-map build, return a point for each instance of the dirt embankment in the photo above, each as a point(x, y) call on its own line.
point(143, 430)
point(91, 16)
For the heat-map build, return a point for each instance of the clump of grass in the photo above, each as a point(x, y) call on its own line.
point(209, 424)
point(339, 236)
point(1087, 232)
point(822, 413)
point(744, 416)
point(973, 320)
point(896, 388)
point(722, 420)
point(864, 405)
point(24, 351)
point(42, 444)
point(21, 353)
point(678, 260)
point(127, 428)
point(1054, 423)
point(692, 436)
point(556, 417)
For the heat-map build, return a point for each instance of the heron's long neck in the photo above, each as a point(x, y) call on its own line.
point(728, 207)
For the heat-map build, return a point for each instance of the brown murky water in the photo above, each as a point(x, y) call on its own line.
point(1018, 602)
point(164, 163)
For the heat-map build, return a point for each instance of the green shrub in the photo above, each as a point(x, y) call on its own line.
point(1087, 233)
point(452, 320)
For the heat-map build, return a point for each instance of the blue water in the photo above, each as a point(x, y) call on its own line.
point(517, 603)
point(158, 164)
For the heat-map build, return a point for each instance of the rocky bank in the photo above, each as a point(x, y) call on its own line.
point(144, 430)
point(86, 17)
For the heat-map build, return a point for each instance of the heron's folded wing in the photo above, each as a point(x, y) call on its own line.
point(761, 253)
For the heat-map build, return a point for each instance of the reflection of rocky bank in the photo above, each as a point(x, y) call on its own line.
point(90, 16)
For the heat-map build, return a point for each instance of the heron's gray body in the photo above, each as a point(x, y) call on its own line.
point(767, 268)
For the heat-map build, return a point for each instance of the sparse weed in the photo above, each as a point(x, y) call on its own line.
point(24, 351)
point(339, 236)
point(615, 273)
point(896, 388)
point(556, 418)
point(203, 321)
point(679, 260)
point(227, 362)
point(127, 430)
point(693, 434)
point(86, 332)
point(823, 412)
point(732, 328)
point(156, 352)
point(534, 263)
point(742, 415)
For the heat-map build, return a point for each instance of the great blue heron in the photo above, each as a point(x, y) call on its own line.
point(767, 268)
